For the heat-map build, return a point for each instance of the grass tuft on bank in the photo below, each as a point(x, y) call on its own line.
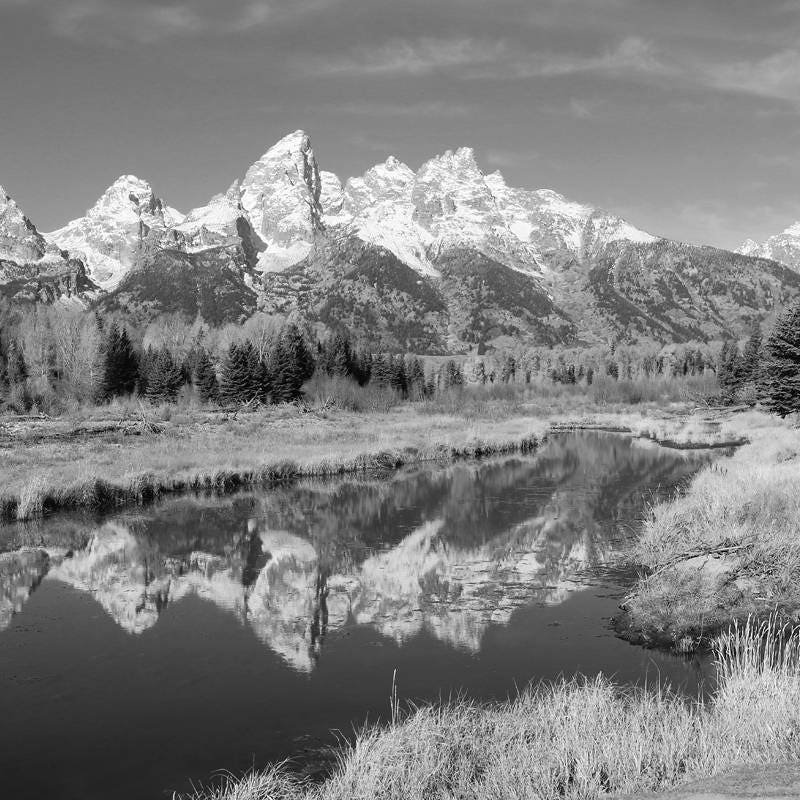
point(728, 547)
point(577, 739)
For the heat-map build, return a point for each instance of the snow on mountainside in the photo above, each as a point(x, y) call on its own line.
point(783, 247)
point(288, 203)
point(31, 268)
point(450, 203)
point(441, 259)
point(111, 236)
point(280, 195)
point(19, 240)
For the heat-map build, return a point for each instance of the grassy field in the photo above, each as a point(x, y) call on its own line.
point(128, 453)
point(729, 547)
point(51, 466)
point(576, 739)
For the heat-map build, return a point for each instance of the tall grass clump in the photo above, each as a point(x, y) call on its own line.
point(345, 394)
point(728, 547)
point(30, 503)
point(577, 739)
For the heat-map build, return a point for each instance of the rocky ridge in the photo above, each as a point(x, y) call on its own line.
point(32, 269)
point(442, 259)
point(783, 247)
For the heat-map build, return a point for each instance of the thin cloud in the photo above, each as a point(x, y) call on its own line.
point(113, 22)
point(404, 57)
point(776, 76)
point(423, 109)
point(471, 59)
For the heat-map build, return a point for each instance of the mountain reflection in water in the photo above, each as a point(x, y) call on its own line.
point(431, 554)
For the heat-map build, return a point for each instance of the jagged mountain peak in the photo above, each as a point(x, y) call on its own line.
point(20, 241)
point(31, 268)
point(131, 196)
point(111, 235)
point(784, 247)
point(280, 194)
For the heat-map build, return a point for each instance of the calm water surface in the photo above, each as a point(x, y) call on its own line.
point(147, 649)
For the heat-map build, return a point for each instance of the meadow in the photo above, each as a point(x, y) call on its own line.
point(129, 451)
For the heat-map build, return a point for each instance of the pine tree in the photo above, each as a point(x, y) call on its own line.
point(363, 367)
point(780, 368)
point(255, 374)
point(287, 380)
point(751, 356)
point(399, 380)
point(380, 373)
point(452, 377)
point(235, 382)
point(728, 371)
point(146, 367)
point(300, 353)
point(260, 383)
point(165, 378)
point(205, 377)
point(121, 367)
point(416, 379)
point(339, 359)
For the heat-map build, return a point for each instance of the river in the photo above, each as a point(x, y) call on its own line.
point(149, 648)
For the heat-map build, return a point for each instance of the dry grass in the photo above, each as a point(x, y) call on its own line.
point(109, 456)
point(730, 546)
point(210, 452)
point(577, 739)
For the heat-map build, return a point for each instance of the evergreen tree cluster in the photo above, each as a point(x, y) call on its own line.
point(277, 377)
point(120, 364)
point(735, 369)
point(779, 371)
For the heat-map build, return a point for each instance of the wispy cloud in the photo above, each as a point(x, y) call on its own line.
point(114, 22)
point(471, 58)
point(436, 108)
point(405, 57)
point(775, 76)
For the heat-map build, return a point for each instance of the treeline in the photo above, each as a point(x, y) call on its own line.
point(51, 357)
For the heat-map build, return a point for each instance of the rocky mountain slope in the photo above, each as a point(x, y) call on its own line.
point(31, 268)
point(112, 236)
point(442, 259)
point(783, 247)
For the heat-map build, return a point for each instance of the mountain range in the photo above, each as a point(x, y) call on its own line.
point(444, 259)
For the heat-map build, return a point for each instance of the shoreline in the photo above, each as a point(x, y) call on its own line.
point(43, 492)
point(725, 550)
point(128, 462)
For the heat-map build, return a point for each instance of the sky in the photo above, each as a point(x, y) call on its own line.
point(681, 115)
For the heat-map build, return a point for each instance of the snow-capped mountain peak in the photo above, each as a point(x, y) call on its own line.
point(783, 247)
point(19, 240)
point(111, 236)
point(280, 194)
point(283, 203)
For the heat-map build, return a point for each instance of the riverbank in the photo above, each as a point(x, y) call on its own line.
point(220, 454)
point(119, 456)
point(575, 739)
point(725, 549)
